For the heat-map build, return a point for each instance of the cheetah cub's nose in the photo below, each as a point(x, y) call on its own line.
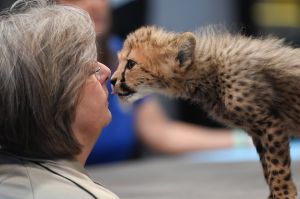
point(113, 81)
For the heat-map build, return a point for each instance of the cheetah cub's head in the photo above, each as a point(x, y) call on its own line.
point(152, 60)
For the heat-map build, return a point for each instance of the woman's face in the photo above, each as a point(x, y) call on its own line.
point(98, 10)
point(92, 113)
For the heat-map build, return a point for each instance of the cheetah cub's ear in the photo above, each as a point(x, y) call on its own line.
point(186, 43)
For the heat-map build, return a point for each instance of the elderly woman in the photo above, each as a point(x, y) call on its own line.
point(53, 102)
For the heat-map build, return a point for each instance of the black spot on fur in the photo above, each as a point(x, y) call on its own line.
point(275, 161)
point(281, 171)
point(245, 94)
point(272, 150)
point(286, 192)
point(270, 137)
point(239, 99)
point(274, 173)
point(237, 108)
point(281, 152)
point(242, 83)
point(277, 144)
point(285, 186)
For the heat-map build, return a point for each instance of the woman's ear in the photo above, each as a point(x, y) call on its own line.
point(186, 43)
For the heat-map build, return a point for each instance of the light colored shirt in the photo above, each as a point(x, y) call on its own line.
point(22, 178)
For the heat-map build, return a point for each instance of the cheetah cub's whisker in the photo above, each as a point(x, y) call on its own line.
point(251, 83)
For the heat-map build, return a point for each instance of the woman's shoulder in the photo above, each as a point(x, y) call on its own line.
point(26, 179)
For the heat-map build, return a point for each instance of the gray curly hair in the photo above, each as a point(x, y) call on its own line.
point(45, 53)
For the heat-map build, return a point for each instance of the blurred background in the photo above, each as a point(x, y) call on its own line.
point(158, 126)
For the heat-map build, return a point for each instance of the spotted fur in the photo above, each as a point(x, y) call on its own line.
point(251, 83)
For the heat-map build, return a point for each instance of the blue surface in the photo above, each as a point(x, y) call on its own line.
point(235, 155)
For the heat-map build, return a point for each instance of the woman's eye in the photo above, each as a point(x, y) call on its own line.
point(130, 64)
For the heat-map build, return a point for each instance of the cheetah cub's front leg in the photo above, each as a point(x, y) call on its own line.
point(273, 148)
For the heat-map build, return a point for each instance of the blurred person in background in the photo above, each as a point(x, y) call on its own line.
point(145, 123)
point(53, 102)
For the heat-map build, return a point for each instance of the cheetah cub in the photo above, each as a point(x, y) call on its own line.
point(244, 82)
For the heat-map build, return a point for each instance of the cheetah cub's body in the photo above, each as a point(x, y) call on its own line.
point(250, 83)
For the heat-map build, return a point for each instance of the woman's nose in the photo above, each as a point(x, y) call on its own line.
point(105, 72)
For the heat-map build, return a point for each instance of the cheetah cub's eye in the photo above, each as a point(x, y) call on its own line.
point(130, 64)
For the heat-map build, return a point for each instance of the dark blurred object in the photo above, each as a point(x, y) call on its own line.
point(128, 17)
point(6, 4)
point(195, 114)
point(280, 18)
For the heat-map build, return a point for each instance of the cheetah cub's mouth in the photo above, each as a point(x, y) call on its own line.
point(126, 91)
point(126, 94)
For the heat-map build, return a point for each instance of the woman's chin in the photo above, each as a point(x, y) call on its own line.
point(108, 118)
